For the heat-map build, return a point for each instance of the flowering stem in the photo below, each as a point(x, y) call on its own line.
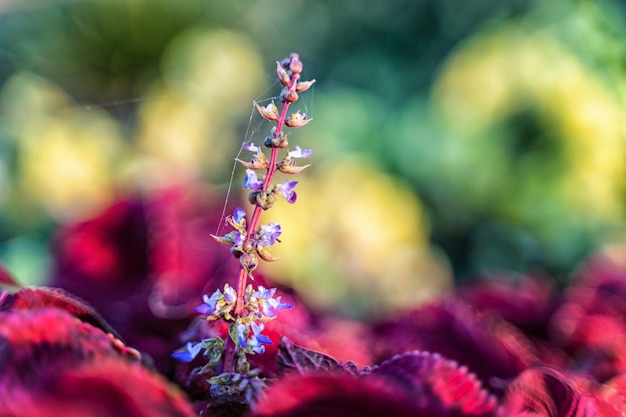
point(231, 348)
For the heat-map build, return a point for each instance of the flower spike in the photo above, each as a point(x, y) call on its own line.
point(245, 311)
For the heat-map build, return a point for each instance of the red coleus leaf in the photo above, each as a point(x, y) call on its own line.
point(491, 348)
point(440, 387)
point(590, 325)
point(546, 392)
point(102, 388)
point(332, 396)
point(526, 301)
point(43, 297)
point(413, 384)
point(40, 341)
point(53, 364)
point(294, 358)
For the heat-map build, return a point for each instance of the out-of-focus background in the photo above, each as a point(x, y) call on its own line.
point(452, 138)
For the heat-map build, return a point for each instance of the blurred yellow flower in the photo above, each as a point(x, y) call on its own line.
point(503, 72)
point(356, 240)
point(66, 154)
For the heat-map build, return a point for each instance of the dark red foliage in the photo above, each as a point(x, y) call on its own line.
point(413, 384)
point(546, 392)
point(144, 265)
point(439, 386)
point(46, 297)
point(591, 323)
point(490, 347)
point(53, 364)
point(298, 359)
point(525, 301)
point(332, 396)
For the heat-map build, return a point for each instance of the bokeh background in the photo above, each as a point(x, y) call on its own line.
point(453, 139)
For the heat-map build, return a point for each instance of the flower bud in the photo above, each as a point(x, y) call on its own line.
point(255, 163)
point(295, 65)
point(249, 262)
point(227, 239)
point(304, 85)
point(283, 76)
point(236, 252)
point(269, 142)
point(289, 96)
point(265, 200)
point(269, 112)
point(291, 168)
point(252, 197)
point(297, 119)
point(264, 253)
point(282, 141)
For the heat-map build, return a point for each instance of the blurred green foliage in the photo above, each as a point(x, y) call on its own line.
point(503, 118)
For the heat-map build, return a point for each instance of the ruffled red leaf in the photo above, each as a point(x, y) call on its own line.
point(440, 387)
point(52, 364)
point(546, 392)
point(37, 342)
point(491, 348)
point(101, 388)
point(332, 396)
point(44, 297)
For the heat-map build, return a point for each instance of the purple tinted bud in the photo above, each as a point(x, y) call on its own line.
point(286, 189)
point(188, 352)
point(301, 153)
point(251, 180)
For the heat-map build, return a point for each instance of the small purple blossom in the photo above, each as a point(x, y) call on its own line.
point(256, 331)
point(249, 146)
point(251, 180)
point(286, 189)
point(258, 340)
point(241, 334)
point(268, 305)
point(188, 352)
point(239, 215)
point(210, 303)
point(301, 153)
point(230, 295)
point(269, 234)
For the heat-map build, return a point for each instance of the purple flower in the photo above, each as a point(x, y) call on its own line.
point(210, 303)
point(251, 180)
point(268, 305)
point(188, 352)
point(269, 234)
point(230, 295)
point(301, 153)
point(242, 331)
point(286, 189)
point(258, 340)
point(240, 215)
point(251, 147)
